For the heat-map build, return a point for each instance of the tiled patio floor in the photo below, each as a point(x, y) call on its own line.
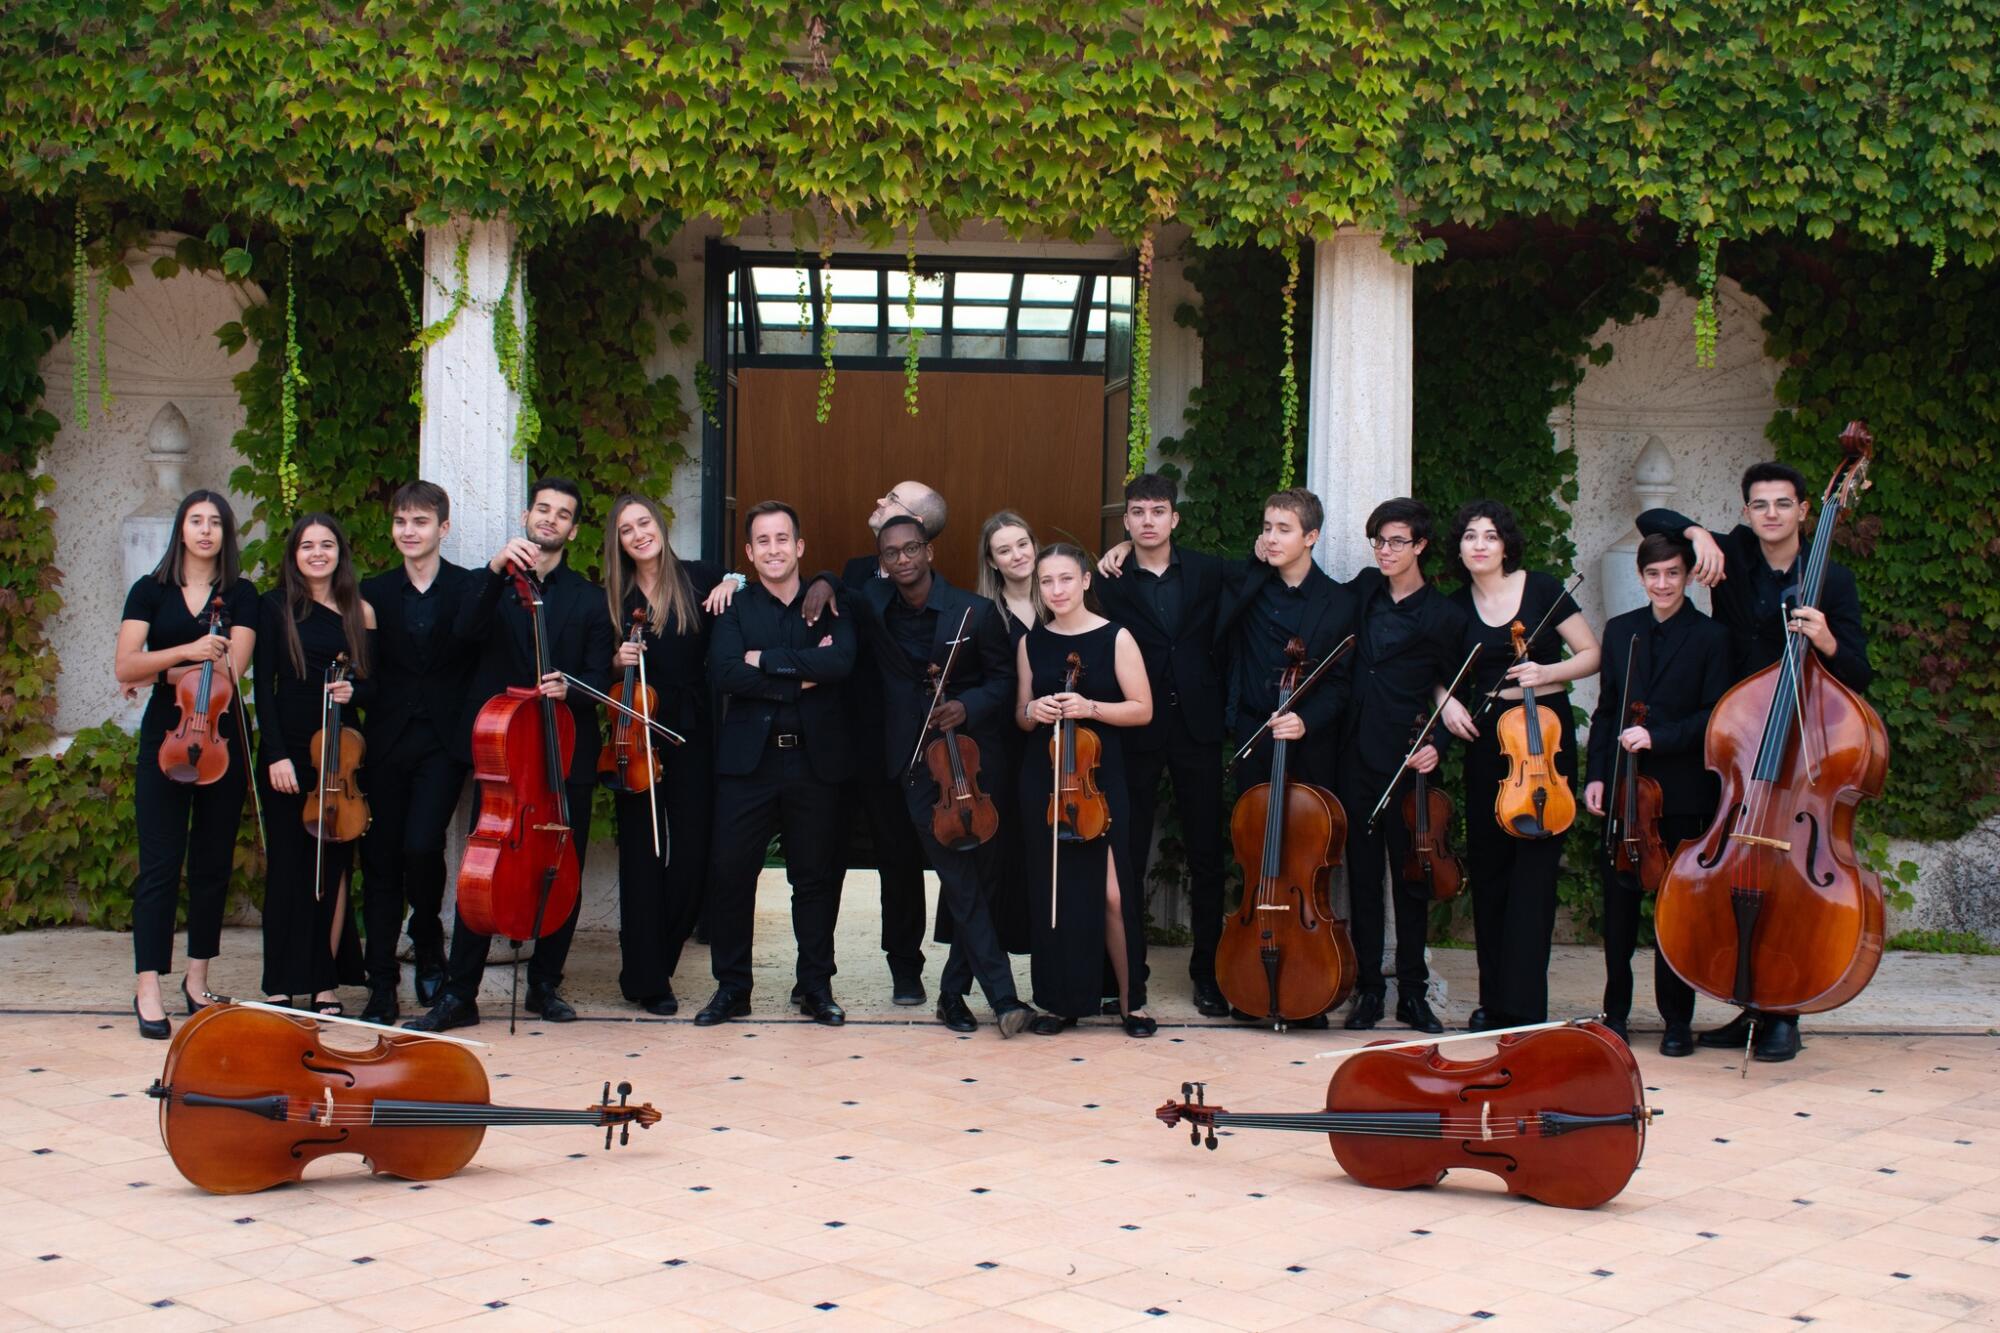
point(889, 1175)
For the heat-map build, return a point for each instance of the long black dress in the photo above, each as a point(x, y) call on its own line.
point(297, 924)
point(1069, 958)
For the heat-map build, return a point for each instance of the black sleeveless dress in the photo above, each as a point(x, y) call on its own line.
point(1068, 967)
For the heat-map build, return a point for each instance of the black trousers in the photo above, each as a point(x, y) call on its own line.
point(966, 890)
point(660, 897)
point(1513, 879)
point(781, 795)
point(299, 958)
point(1622, 900)
point(1369, 851)
point(467, 961)
point(180, 824)
point(412, 791)
point(878, 802)
point(1196, 771)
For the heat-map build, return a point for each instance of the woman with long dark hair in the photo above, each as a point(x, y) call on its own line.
point(162, 636)
point(659, 895)
point(1513, 879)
point(314, 615)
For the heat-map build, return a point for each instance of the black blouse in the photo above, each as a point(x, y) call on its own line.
point(1497, 652)
point(288, 704)
point(168, 625)
point(677, 663)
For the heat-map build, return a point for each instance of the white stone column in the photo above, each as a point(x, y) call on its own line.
point(467, 444)
point(1359, 384)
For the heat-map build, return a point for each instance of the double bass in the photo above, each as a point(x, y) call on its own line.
point(251, 1097)
point(1768, 908)
point(1558, 1112)
point(195, 752)
point(1283, 955)
point(1534, 799)
point(1632, 815)
point(519, 878)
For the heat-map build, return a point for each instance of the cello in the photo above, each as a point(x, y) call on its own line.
point(1632, 815)
point(1768, 908)
point(195, 752)
point(1283, 954)
point(251, 1096)
point(1534, 799)
point(519, 877)
point(964, 816)
point(1428, 815)
point(1558, 1112)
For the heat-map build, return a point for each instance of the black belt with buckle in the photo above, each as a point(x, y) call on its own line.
point(786, 740)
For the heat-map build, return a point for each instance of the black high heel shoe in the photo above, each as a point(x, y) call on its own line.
point(152, 1029)
point(194, 1006)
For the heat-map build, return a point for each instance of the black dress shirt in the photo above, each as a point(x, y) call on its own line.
point(581, 639)
point(1682, 669)
point(1172, 617)
point(1405, 649)
point(1162, 591)
point(769, 698)
point(422, 669)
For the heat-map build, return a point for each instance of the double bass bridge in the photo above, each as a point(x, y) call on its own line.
point(1757, 840)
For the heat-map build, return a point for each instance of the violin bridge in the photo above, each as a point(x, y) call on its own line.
point(1778, 844)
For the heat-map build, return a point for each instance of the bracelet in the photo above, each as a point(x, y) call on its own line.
point(738, 577)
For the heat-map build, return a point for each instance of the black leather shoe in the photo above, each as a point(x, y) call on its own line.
point(1735, 1033)
point(1208, 1001)
point(822, 1010)
point(1617, 1025)
point(430, 970)
point(665, 1005)
point(1013, 1020)
point(449, 1012)
point(382, 1007)
point(152, 1029)
point(552, 1007)
point(954, 1013)
point(721, 1007)
point(1677, 1041)
point(1367, 1013)
point(1479, 1020)
point(1139, 1025)
point(908, 988)
point(1048, 1025)
point(1777, 1038)
point(1415, 1012)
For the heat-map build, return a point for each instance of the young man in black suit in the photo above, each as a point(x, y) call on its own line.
point(414, 779)
point(501, 635)
point(1677, 662)
point(782, 750)
point(1407, 648)
point(1753, 570)
point(1168, 596)
point(911, 620)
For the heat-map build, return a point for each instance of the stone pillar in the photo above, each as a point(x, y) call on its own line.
point(467, 444)
point(1359, 406)
point(1653, 487)
point(146, 532)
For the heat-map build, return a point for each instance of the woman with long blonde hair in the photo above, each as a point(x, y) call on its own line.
point(1007, 570)
point(655, 592)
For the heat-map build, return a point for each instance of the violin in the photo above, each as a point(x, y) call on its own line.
point(1768, 908)
point(195, 752)
point(338, 812)
point(250, 1098)
point(1428, 815)
point(964, 816)
point(1283, 954)
point(1633, 816)
point(519, 877)
point(1534, 800)
point(629, 763)
point(1078, 811)
point(1559, 1114)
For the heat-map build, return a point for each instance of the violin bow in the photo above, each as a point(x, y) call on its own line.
point(1292, 703)
point(243, 722)
point(937, 695)
point(319, 781)
point(318, 1017)
point(1417, 1043)
point(1618, 757)
point(1424, 734)
point(1575, 582)
point(601, 697)
point(646, 734)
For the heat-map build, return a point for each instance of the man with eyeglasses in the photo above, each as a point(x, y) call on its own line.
point(1753, 574)
point(1407, 647)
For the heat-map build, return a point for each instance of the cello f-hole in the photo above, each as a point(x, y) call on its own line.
point(299, 1146)
point(1511, 1163)
point(306, 1059)
point(1506, 1080)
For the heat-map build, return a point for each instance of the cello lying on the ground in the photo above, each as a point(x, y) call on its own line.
point(250, 1097)
point(1768, 908)
point(1557, 1112)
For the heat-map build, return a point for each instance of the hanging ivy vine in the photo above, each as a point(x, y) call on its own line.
point(913, 332)
point(1139, 433)
point(823, 407)
point(1288, 373)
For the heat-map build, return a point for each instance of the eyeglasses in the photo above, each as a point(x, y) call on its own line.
point(896, 555)
point(1391, 543)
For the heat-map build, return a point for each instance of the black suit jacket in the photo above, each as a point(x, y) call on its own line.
point(417, 678)
point(1679, 688)
point(1381, 735)
point(982, 678)
point(1329, 618)
point(1180, 663)
point(500, 634)
point(790, 654)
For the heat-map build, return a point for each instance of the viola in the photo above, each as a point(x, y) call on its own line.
point(1534, 800)
point(629, 763)
point(195, 752)
point(337, 811)
point(1078, 811)
point(1559, 1114)
point(519, 877)
point(964, 816)
point(1284, 955)
point(250, 1098)
point(1769, 908)
point(1633, 822)
point(1428, 815)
